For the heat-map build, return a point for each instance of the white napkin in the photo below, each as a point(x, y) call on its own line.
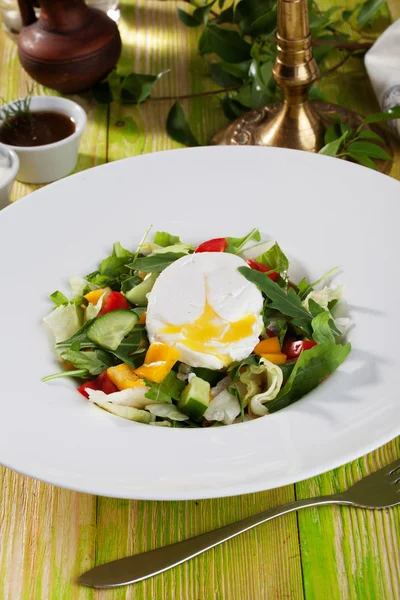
point(382, 62)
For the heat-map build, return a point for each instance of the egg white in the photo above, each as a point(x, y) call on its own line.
point(202, 306)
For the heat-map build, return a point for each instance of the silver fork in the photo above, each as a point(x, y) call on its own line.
point(378, 490)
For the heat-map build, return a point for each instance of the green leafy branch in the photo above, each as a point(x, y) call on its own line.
point(359, 144)
point(238, 39)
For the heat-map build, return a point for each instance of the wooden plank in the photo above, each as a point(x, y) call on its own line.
point(263, 563)
point(47, 534)
point(351, 554)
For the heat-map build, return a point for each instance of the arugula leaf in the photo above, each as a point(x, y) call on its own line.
point(321, 329)
point(178, 128)
point(304, 288)
point(133, 347)
point(79, 337)
point(94, 362)
point(130, 283)
point(213, 377)
point(164, 239)
point(288, 304)
point(302, 327)
point(137, 87)
point(234, 371)
point(235, 245)
point(156, 263)
point(167, 390)
point(312, 367)
point(274, 321)
point(316, 310)
point(275, 259)
point(59, 299)
point(112, 270)
point(113, 266)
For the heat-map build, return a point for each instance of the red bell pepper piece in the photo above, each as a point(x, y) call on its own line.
point(102, 383)
point(114, 301)
point(107, 386)
point(293, 349)
point(253, 264)
point(215, 245)
point(92, 385)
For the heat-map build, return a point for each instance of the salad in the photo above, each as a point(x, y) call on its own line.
point(175, 335)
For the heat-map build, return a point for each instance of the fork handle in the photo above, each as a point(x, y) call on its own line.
point(141, 566)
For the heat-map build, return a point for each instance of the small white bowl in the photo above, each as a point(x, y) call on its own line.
point(7, 183)
point(43, 164)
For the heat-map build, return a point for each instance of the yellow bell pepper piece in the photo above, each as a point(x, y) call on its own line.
point(123, 376)
point(94, 296)
point(158, 362)
point(142, 319)
point(268, 346)
point(277, 358)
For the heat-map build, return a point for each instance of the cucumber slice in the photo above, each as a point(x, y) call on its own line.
point(109, 330)
point(195, 398)
point(138, 294)
point(127, 412)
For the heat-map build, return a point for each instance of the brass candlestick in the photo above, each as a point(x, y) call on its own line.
point(296, 123)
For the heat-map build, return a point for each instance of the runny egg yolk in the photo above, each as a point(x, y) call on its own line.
point(209, 330)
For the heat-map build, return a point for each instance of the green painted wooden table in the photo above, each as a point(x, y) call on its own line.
point(50, 535)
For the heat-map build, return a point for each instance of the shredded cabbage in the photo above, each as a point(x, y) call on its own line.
point(167, 411)
point(262, 383)
point(64, 321)
point(324, 296)
point(224, 407)
point(221, 386)
point(134, 397)
point(78, 285)
point(92, 310)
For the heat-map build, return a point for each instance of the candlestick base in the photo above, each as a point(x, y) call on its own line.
point(301, 128)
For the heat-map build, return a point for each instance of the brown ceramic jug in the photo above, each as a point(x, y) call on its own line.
point(70, 47)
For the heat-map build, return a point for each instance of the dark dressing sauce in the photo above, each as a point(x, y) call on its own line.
point(37, 128)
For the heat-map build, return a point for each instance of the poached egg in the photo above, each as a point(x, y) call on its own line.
point(202, 306)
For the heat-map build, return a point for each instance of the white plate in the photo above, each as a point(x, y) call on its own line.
point(323, 211)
